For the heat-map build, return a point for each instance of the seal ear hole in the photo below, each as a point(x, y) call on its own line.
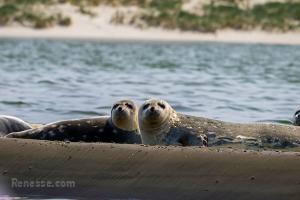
point(146, 106)
point(129, 106)
point(162, 105)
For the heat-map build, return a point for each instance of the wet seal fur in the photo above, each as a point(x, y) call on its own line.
point(9, 124)
point(173, 128)
point(161, 125)
point(121, 127)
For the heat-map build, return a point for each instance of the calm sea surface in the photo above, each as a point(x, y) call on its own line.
point(44, 80)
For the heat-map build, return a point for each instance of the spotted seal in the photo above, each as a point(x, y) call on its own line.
point(120, 127)
point(161, 125)
point(9, 124)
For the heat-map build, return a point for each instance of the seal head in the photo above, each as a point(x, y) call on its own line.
point(155, 113)
point(161, 125)
point(124, 115)
point(297, 118)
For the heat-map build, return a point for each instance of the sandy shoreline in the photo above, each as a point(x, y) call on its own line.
point(126, 33)
point(135, 171)
point(84, 27)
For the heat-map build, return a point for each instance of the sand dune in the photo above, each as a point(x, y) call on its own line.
point(101, 28)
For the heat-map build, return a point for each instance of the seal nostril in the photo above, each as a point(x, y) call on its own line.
point(120, 109)
point(152, 109)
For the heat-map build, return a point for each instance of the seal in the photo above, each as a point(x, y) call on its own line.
point(9, 124)
point(161, 125)
point(120, 127)
point(296, 119)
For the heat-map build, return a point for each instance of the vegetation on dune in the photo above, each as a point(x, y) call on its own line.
point(168, 14)
point(31, 13)
point(6, 11)
point(283, 16)
point(224, 14)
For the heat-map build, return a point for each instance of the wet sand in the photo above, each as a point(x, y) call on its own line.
point(103, 171)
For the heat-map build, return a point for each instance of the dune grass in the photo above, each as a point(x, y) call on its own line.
point(31, 13)
point(272, 16)
point(282, 16)
point(168, 14)
point(6, 12)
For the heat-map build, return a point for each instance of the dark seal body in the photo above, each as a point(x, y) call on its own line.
point(120, 127)
point(185, 132)
point(9, 124)
point(98, 129)
point(260, 134)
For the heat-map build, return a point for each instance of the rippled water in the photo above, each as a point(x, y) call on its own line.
point(45, 80)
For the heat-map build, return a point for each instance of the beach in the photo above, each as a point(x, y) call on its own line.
point(100, 27)
point(125, 33)
point(109, 171)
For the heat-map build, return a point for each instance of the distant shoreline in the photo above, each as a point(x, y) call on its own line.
point(127, 33)
point(102, 27)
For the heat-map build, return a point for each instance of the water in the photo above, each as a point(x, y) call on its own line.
point(44, 80)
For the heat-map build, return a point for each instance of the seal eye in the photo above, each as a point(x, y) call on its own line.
point(146, 106)
point(115, 106)
point(162, 105)
point(129, 106)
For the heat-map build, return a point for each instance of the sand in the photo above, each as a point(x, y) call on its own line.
point(102, 171)
point(100, 28)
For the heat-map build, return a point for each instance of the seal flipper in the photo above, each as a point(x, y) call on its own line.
point(39, 133)
point(46, 132)
point(204, 139)
point(193, 140)
point(28, 134)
